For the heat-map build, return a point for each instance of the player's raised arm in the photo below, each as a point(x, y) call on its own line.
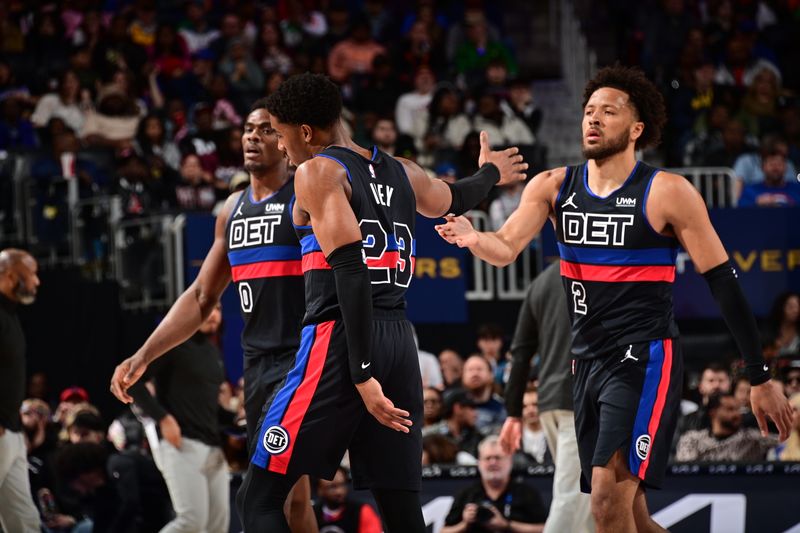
point(436, 198)
point(502, 247)
point(321, 191)
point(186, 314)
point(683, 210)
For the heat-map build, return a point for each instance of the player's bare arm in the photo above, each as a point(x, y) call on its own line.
point(502, 247)
point(322, 194)
point(681, 211)
point(436, 198)
point(186, 314)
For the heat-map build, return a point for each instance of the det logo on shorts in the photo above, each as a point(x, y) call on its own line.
point(276, 440)
point(642, 446)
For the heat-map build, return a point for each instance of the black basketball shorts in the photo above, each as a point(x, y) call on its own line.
point(261, 375)
point(316, 413)
point(628, 401)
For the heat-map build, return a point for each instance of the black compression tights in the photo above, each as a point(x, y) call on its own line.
point(261, 497)
point(400, 510)
point(260, 501)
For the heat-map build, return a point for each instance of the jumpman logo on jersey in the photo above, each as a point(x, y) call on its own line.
point(628, 355)
point(238, 211)
point(569, 201)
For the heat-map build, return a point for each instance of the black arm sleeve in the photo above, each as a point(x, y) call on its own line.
point(468, 192)
point(355, 301)
point(739, 318)
point(142, 397)
point(523, 347)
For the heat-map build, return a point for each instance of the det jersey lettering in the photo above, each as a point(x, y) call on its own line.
point(253, 231)
point(595, 229)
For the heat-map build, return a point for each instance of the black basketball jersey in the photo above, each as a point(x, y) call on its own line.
point(385, 207)
point(265, 260)
point(617, 270)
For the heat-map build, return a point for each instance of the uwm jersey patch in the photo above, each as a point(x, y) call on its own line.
point(265, 260)
point(385, 207)
point(617, 271)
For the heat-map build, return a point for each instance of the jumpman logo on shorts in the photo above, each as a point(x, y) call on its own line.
point(569, 201)
point(628, 355)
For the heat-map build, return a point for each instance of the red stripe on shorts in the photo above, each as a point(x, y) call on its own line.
point(658, 408)
point(298, 406)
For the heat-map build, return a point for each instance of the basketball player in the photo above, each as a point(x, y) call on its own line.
point(619, 223)
point(256, 246)
point(355, 212)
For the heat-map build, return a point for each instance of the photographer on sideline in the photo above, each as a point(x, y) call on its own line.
point(496, 503)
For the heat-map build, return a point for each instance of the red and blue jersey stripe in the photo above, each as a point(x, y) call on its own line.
point(651, 403)
point(291, 403)
point(265, 262)
point(616, 265)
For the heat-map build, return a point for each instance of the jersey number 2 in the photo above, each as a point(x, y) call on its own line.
point(579, 298)
point(380, 261)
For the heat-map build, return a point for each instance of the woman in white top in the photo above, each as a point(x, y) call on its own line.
point(64, 104)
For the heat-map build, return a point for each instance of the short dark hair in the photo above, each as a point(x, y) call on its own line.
point(773, 144)
point(490, 331)
point(306, 98)
point(716, 366)
point(261, 103)
point(643, 94)
point(715, 400)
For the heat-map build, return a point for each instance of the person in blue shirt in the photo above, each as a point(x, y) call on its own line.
point(775, 190)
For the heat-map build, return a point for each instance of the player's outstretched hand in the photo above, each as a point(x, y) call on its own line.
point(382, 407)
point(126, 374)
point(768, 401)
point(511, 434)
point(509, 162)
point(458, 230)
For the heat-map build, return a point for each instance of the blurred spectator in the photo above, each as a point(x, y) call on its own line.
point(496, 502)
point(65, 104)
point(791, 378)
point(478, 382)
point(41, 438)
point(418, 51)
point(37, 387)
point(231, 159)
point(410, 111)
point(775, 190)
point(432, 406)
point(195, 31)
point(141, 189)
point(733, 144)
point(741, 66)
point(467, 158)
point(119, 493)
point(246, 77)
point(784, 323)
point(505, 204)
point(438, 449)
point(741, 391)
point(354, 55)
point(760, 104)
point(113, 124)
point(300, 25)
point(196, 190)
point(152, 145)
point(522, 104)
point(664, 38)
point(336, 512)
point(116, 49)
point(378, 94)
point(479, 50)
point(429, 367)
point(452, 367)
point(270, 51)
point(143, 27)
point(458, 423)
point(749, 168)
point(534, 444)
point(503, 129)
point(490, 346)
point(445, 124)
point(68, 399)
point(714, 379)
point(790, 449)
point(202, 139)
point(85, 425)
point(725, 440)
point(16, 131)
point(224, 114)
